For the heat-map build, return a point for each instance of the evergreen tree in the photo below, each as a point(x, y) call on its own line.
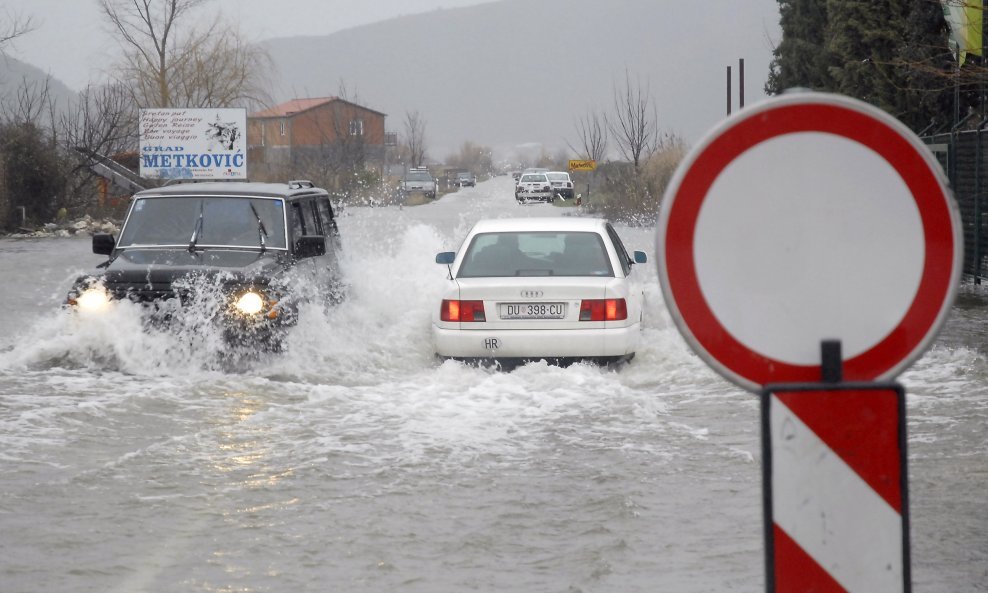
point(801, 57)
point(890, 53)
point(863, 37)
point(929, 67)
point(32, 176)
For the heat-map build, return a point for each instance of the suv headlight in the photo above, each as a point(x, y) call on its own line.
point(94, 299)
point(254, 303)
point(250, 303)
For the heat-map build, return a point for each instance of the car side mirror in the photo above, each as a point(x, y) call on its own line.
point(103, 244)
point(446, 257)
point(640, 257)
point(310, 246)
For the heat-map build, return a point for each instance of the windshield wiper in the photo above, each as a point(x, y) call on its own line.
point(261, 231)
point(196, 231)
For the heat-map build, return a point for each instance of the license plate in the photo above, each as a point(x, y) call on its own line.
point(532, 310)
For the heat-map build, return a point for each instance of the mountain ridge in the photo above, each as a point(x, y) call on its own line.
point(517, 72)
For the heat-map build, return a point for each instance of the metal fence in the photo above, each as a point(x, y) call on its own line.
point(964, 157)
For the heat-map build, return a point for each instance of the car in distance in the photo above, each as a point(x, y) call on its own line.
point(562, 289)
point(527, 171)
point(418, 180)
point(562, 184)
point(466, 179)
point(533, 186)
point(246, 254)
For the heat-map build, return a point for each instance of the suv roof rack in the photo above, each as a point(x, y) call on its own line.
point(300, 183)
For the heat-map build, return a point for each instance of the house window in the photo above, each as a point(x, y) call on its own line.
point(281, 127)
point(356, 127)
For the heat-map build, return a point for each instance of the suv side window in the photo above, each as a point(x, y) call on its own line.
point(325, 212)
point(622, 252)
point(317, 228)
point(303, 221)
point(298, 227)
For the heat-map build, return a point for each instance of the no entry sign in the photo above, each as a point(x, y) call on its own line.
point(805, 218)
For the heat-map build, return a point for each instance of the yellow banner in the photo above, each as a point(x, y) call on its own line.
point(582, 165)
point(964, 19)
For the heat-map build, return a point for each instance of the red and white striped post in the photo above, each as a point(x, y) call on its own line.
point(836, 504)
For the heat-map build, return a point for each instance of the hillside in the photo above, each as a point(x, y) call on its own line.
point(522, 71)
point(14, 75)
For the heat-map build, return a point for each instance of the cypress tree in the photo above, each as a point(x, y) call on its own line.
point(801, 58)
point(890, 53)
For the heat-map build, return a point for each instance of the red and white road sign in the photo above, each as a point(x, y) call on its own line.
point(809, 217)
point(835, 471)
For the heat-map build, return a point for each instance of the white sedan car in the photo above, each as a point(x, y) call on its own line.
point(520, 289)
point(533, 186)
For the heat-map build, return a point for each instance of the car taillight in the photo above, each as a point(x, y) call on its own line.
point(464, 311)
point(603, 310)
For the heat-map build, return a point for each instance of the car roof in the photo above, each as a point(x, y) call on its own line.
point(555, 223)
point(222, 188)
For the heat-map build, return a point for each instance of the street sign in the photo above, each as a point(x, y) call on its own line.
point(805, 218)
point(582, 165)
point(836, 504)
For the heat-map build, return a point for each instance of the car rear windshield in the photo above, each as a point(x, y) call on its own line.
point(533, 178)
point(535, 253)
point(215, 220)
point(418, 176)
point(558, 176)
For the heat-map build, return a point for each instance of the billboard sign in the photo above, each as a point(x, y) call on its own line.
point(193, 143)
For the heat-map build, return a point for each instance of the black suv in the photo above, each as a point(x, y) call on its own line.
point(244, 255)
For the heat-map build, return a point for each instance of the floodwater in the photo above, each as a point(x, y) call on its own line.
point(139, 462)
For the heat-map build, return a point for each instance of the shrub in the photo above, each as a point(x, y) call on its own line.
point(632, 195)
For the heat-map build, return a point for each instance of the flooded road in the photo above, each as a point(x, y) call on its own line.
point(136, 462)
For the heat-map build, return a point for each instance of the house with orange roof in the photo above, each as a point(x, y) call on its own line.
point(313, 134)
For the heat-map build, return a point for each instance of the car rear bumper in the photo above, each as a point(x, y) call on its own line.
point(534, 195)
point(617, 343)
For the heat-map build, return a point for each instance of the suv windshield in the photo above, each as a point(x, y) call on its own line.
point(226, 221)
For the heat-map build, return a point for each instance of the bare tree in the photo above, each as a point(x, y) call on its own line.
point(415, 137)
point(29, 103)
point(170, 60)
point(634, 124)
point(475, 157)
point(591, 131)
point(12, 26)
point(100, 125)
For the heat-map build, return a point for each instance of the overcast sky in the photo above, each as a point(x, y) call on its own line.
point(72, 43)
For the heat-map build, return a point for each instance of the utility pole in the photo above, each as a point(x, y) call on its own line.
point(741, 81)
point(728, 90)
